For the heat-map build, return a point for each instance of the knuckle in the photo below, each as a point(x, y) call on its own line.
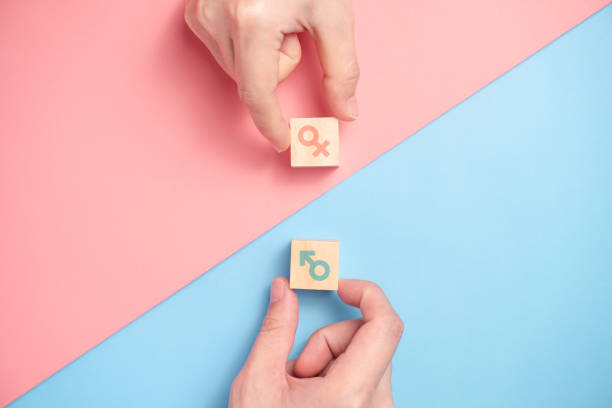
point(246, 388)
point(237, 389)
point(356, 399)
point(396, 326)
point(248, 95)
point(198, 11)
point(253, 96)
point(372, 289)
point(352, 71)
point(271, 324)
point(319, 334)
point(250, 13)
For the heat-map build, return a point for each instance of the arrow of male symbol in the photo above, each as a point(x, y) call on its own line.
point(306, 256)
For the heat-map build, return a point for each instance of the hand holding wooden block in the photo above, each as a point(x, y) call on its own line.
point(314, 264)
point(315, 142)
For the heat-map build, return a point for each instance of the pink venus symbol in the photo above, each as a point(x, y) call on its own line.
point(314, 141)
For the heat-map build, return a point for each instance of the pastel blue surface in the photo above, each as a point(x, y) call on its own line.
point(490, 230)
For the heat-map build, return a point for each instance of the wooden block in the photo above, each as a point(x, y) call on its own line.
point(314, 264)
point(315, 142)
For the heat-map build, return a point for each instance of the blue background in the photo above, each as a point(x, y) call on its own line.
point(490, 230)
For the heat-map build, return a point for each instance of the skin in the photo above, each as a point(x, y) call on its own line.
point(345, 364)
point(256, 43)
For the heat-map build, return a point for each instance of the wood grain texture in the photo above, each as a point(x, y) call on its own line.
point(314, 264)
point(315, 142)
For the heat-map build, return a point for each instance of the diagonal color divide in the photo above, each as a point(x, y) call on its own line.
point(128, 167)
point(485, 249)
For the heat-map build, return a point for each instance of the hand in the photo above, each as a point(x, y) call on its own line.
point(345, 364)
point(256, 43)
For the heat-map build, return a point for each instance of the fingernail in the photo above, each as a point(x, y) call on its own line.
point(280, 145)
point(353, 108)
point(280, 149)
point(277, 291)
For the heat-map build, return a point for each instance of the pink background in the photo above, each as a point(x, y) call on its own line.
point(128, 166)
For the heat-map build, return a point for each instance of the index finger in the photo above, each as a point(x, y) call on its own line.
point(257, 59)
point(369, 353)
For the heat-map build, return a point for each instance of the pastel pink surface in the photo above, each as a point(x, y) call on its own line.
point(128, 166)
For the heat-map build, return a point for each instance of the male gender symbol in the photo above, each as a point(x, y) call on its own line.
point(306, 256)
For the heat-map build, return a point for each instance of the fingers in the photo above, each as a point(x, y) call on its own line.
point(369, 353)
point(257, 57)
point(256, 45)
point(271, 349)
point(290, 55)
point(323, 346)
point(204, 21)
point(333, 30)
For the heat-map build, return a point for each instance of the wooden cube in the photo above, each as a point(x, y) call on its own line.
point(315, 142)
point(314, 264)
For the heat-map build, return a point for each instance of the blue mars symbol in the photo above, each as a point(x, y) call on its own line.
point(306, 256)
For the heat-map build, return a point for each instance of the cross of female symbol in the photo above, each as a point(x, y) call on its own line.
point(314, 141)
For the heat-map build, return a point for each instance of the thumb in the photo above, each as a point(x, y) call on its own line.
point(273, 344)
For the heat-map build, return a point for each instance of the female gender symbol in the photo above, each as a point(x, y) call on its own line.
point(320, 147)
